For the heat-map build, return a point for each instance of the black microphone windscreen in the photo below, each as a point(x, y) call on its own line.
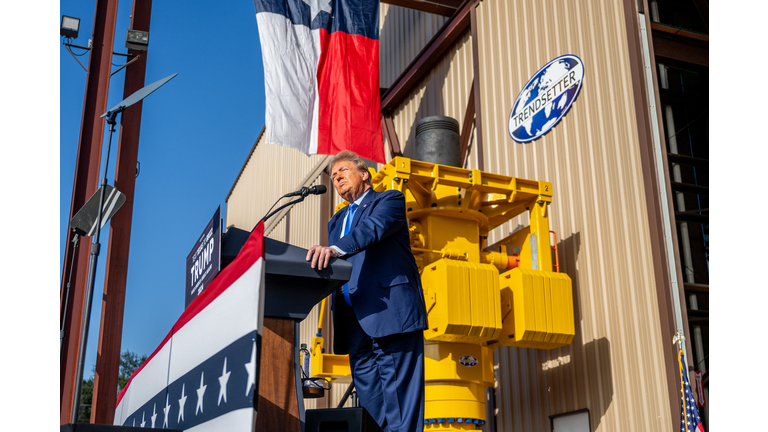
point(319, 189)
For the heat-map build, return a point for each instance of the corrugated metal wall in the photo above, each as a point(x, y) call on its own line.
point(444, 91)
point(614, 367)
point(402, 34)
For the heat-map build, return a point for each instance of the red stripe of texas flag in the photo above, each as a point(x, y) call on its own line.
point(348, 77)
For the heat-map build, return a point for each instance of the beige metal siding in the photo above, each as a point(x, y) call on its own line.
point(444, 91)
point(615, 366)
point(270, 172)
point(402, 34)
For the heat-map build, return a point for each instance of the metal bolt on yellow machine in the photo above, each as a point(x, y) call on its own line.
point(472, 308)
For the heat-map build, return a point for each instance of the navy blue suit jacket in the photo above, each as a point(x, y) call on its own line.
point(385, 286)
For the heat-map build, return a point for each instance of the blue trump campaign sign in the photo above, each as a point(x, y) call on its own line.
point(204, 262)
point(546, 98)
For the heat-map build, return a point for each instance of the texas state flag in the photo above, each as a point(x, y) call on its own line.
point(204, 375)
point(321, 74)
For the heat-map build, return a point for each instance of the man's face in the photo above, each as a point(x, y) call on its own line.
point(348, 181)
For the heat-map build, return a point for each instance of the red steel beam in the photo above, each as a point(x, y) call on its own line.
point(439, 7)
point(85, 185)
point(394, 143)
point(428, 57)
point(476, 84)
point(682, 46)
point(113, 301)
point(466, 128)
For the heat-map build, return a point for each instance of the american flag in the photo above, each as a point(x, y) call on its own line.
point(689, 414)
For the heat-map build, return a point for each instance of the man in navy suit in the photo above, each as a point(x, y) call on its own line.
point(379, 315)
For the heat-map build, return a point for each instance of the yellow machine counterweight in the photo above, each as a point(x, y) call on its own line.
point(472, 308)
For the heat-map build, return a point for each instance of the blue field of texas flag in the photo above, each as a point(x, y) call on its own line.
point(204, 374)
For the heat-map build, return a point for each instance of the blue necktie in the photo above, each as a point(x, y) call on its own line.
point(347, 226)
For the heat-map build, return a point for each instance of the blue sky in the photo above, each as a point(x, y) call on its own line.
point(196, 132)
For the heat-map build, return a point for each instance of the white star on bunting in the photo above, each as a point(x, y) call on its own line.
point(154, 415)
point(166, 410)
point(251, 368)
point(182, 401)
point(142, 419)
point(223, 383)
point(200, 393)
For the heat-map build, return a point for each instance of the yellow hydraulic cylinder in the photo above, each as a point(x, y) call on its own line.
point(455, 377)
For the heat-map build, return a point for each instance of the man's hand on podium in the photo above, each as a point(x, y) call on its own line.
point(320, 255)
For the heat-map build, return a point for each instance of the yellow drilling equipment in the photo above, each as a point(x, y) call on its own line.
point(477, 299)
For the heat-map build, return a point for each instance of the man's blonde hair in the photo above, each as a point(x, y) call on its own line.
point(348, 155)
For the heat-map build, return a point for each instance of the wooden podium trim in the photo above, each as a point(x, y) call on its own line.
point(277, 408)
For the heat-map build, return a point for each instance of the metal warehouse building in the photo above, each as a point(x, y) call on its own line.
point(629, 169)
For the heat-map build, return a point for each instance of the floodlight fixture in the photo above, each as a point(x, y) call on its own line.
point(137, 40)
point(70, 26)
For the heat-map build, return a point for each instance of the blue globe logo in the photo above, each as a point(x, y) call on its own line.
point(546, 98)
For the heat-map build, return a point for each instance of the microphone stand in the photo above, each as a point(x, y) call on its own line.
point(296, 201)
point(303, 192)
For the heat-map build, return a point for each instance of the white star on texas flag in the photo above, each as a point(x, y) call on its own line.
point(316, 6)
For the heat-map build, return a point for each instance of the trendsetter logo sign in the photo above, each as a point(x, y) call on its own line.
point(546, 98)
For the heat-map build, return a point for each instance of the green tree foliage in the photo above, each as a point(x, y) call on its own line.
point(86, 397)
point(129, 362)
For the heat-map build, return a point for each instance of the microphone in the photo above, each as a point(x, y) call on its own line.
point(314, 190)
point(317, 190)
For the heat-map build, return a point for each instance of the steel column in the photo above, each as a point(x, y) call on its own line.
point(85, 184)
point(113, 300)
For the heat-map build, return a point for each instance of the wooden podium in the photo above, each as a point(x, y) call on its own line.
point(292, 289)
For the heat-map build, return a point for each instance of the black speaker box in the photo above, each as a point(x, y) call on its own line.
point(340, 420)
